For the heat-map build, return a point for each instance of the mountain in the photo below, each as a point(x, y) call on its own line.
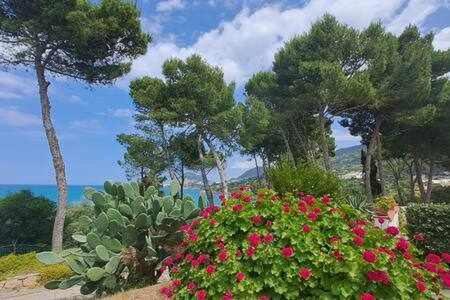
point(249, 174)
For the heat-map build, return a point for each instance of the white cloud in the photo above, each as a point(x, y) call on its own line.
point(14, 87)
point(85, 125)
point(442, 39)
point(247, 43)
point(124, 113)
point(13, 117)
point(169, 5)
point(74, 99)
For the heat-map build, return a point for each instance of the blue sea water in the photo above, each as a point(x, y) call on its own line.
point(75, 192)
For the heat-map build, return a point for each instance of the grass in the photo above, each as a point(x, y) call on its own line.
point(14, 265)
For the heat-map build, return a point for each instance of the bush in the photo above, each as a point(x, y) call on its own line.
point(429, 226)
point(310, 179)
point(26, 219)
point(72, 225)
point(271, 247)
point(13, 265)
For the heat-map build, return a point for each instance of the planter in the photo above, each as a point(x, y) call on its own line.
point(385, 220)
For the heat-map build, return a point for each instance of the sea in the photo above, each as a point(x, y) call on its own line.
point(75, 192)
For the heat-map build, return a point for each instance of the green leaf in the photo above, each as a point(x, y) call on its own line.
point(70, 282)
point(52, 285)
point(112, 264)
point(102, 252)
point(93, 240)
point(79, 238)
point(101, 223)
point(130, 235)
point(49, 258)
point(95, 273)
point(126, 210)
point(141, 221)
point(112, 245)
point(76, 265)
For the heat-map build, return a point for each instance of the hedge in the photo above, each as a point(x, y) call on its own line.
point(429, 226)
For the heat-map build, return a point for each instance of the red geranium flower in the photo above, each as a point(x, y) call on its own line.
point(421, 286)
point(378, 276)
point(402, 245)
point(240, 276)
point(191, 286)
point(237, 208)
point(287, 251)
point(446, 257)
point(201, 295)
point(369, 256)
point(223, 255)
point(445, 277)
point(419, 237)
point(254, 239)
point(338, 255)
point(268, 238)
point(392, 230)
point(202, 258)
point(269, 224)
point(210, 269)
point(433, 258)
point(358, 241)
point(176, 282)
point(263, 297)
point(310, 200)
point(251, 251)
point(306, 228)
point(430, 267)
point(313, 216)
point(326, 199)
point(304, 273)
point(166, 291)
point(334, 239)
point(302, 206)
point(286, 208)
point(367, 296)
point(359, 231)
point(257, 220)
point(247, 198)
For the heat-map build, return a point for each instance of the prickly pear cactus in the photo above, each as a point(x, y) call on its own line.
point(124, 245)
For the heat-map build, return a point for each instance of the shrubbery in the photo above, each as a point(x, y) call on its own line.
point(271, 247)
point(26, 219)
point(429, 226)
point(310, 179)
point(440, 194)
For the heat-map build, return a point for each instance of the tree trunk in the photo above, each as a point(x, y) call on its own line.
point(288, 147)
point(58, 161)
point(220, 168)
point(206, 185)
point(380, 166)
point(166, 152)
point(368, 161)
point(418, 167)
point(429, 182)
point(182, 182)
point(257, 169)
point(324, 141)
point(412, 182)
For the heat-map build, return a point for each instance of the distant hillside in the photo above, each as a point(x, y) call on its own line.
point(250, 174)
point(348, 160)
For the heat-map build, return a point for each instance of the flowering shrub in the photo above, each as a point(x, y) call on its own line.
point(384, 204)
point(272, 247)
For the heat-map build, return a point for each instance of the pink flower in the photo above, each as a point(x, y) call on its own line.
point(201, 295)
point(430, 267)
point(240, 276)
point(286, 208)
point(202, 259)
point(402, 245)
point(369, 256)
point(310, 200)
point(302, 206)
point(359, 231)
point(269, 224)
point(419, 237)
point(445, 277)
point(367, 296)
point(446, 257)
point(421, 286)
point(392, 230)
point(247, 198)
point(433, 258)
point(176, 283)
point(210, 269)
point(227, 296)
point(338, 255)
point(287, 251)
point(306, 228)
point(223, 255)
point(263, 297)
point(254, 239)
point(313, 216)
point(251, 251)
point(334, 239)
point(166, 291)
point(304, 273)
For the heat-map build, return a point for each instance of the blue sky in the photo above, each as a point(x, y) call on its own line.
point(239, 36)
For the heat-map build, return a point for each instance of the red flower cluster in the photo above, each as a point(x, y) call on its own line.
point(210, 269)
point(223, 255)
point(201, 295)
point(421, 286)
point(402, 245)
point(306, 228)
point(304, 273)
point(238, 208)
point(227, 296)
point(378, 276)
point(240, 276)
point(254, 239)
point(392, 230)
point(367, 296)
point(257, 220)
point(287, 251)
point(369, 256)
point(326, 199)
point(209, 211)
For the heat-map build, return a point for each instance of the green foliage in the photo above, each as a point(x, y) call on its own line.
point(13, 265)
point(310, 179)
point(441, 194)
point(72, 225)
point(384, 204)
point(432, 222)
point(123, 244)
point(354, 195)
point(26, 219)
point(291, 248)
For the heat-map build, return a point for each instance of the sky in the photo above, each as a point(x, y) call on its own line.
point(239, 36)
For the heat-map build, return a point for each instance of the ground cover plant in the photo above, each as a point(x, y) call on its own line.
point(269, 247)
